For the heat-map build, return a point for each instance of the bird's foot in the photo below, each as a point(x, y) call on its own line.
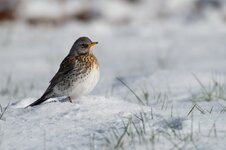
point(66, 99)
point(69, 98)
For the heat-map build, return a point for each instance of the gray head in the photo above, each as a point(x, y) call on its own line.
point(82, 46)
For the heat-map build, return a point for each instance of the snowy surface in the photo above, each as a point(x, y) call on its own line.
point(68, 126)
point(176, 68)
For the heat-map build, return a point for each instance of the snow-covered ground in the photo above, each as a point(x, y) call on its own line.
point(176, 69)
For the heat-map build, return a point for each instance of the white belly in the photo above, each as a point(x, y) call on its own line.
point(82, 88)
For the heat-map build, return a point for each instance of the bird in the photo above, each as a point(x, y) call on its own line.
point(78, 73)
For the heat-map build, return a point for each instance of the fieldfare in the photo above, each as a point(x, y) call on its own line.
point(78, 73)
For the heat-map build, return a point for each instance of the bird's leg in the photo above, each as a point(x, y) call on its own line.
point(65, 99)
point(70, 100)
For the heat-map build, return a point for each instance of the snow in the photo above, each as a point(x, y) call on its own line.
point(72, 123)
point(176, 68)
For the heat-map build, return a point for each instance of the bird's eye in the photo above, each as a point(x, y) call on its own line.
point(84, 45)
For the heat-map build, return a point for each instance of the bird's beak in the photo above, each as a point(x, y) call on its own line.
point(92, 44)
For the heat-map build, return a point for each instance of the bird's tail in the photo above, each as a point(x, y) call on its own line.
point(39, 101)
point(48, 94)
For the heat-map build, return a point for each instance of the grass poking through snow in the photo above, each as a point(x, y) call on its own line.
point(139, 131)
point(131, 90)
point(215, 90)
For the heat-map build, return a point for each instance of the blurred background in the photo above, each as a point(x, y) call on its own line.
point(59, 12)
point(137, 38)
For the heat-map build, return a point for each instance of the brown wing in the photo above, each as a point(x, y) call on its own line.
point(66, 66)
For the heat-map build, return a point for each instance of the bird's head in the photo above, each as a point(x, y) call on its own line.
point(82, 45)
